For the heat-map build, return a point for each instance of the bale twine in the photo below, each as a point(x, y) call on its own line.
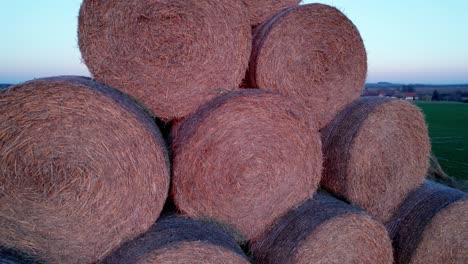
point(324, 230)
point(12, 256)
point(244, 159)
point(375, 152)
point(312, 53)
point(260, 10)
point(83, 168)
point(171, 55)
point(180, 240)
point(431, 226)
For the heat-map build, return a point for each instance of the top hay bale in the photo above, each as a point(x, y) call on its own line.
point(82, 169)
point(312, 53)
point(260, 10)
point(244, 159)
point(171, 55)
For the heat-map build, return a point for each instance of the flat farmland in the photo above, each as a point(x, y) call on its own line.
point(448, 129)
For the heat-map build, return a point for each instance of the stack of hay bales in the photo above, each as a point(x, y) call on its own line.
point(85, 170)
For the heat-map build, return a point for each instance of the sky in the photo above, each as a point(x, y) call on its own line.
point(407, 41)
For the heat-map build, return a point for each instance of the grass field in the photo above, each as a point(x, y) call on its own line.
point(448, 129)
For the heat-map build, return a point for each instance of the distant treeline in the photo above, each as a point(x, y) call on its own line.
point(450, 92)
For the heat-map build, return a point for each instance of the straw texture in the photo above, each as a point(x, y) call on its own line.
point(324, 230)
point(376, 151)
point(83, 168)
point(431, 226)
point(180, 240)
point(260, 10)
point(312, 53)
point(245, 159)
point(173, 56)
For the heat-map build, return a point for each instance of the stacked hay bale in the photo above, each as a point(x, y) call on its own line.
point(260, 10)
point(430, 226)
point(180, 240)
point(83, 168)
point(312, 53)
point(377, 151)
point(173, 56)
point(324, 230)
point(232, 162)
point(13, 256)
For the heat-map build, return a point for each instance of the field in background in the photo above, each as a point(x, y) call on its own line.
point(448, 129)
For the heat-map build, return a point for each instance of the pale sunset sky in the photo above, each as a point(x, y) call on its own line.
point(407, 41)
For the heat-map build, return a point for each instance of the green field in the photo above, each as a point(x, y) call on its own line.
point(448, 129)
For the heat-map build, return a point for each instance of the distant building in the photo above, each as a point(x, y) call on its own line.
point(410, 96)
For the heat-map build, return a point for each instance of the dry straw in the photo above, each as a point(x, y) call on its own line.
point(376, 151)
point(313, 53)
point(171, 55)
point(83, 168)
point(244, 159)
point(180, 240)
point(431, 226)
point(324, 230)
point(260, 10)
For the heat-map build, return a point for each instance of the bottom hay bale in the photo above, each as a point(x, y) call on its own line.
point(13, 256)
point(324, 230)
point(83, 168)
point(176, 239)
point(431, 226)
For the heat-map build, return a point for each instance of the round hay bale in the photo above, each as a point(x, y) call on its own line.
point(312, 53)
point(11, 256)
point(173, 56)
point(244, 159)
point(431, 226)
point(260, 10)
point(376, 152)
point(83, 168)
point(324, 230)
point(180, 240)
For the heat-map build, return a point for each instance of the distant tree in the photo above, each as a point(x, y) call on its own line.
point(408, 88)
point(458, 96)
point(435, 96)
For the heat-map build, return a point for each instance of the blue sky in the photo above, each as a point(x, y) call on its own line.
point(407, 41)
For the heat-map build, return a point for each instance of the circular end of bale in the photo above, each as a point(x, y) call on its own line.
point(324, 230)
point(180, 240)
point(244, 159)
point(360, 240)
point(377, 152)
point(312, 53)
point(83, 169)
point(430, 226)
point(173, 56)
point(445, 237)
point(261, 10)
